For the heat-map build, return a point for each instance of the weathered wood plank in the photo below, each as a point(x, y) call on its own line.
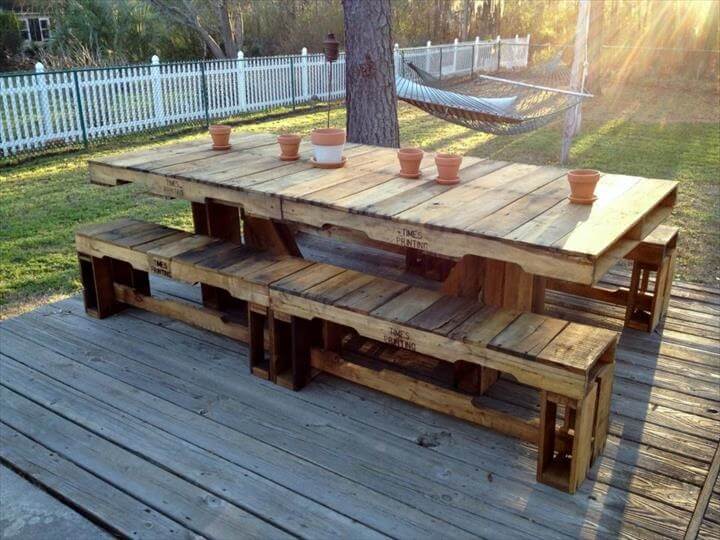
point(528, 335)
point(338, 286)
point(116, 510)
point(704, 499)
point(180, 500)
point(407, 305)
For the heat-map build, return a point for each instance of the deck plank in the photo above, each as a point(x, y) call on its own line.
point(196, 508)
point(115, 510)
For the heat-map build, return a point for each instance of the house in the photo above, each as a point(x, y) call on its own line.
point(34, 27)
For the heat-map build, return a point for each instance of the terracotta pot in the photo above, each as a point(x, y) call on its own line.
point(582, 185)
point(289, 145)
point(220, 136)
point(328, 145)
point(448, 166)
point(410, 159)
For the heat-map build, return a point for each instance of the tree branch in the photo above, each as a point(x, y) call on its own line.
point(188, 16)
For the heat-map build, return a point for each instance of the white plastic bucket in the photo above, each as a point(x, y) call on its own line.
point(328, 154)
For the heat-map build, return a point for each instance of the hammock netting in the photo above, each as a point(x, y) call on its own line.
point(496, 105)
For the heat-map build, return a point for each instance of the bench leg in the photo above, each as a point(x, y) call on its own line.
point(496, 283)
point(663, 286)
point(280, 370)
point(257, 317)
point(301, 343)
point(305, 335)
point(269, 235)
point(427, 265)
point(602, 415)
point(96, 275)
point(124, 274)
point(647, 319)
point(333, 335)
point(636, 317)
point(219, 221)
point(564, 465)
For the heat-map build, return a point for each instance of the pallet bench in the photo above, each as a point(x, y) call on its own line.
point(645, 299)
point(303, 312)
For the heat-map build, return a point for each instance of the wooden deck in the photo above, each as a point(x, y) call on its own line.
point(150, 428)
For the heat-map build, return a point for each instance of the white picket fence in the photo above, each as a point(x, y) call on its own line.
point(64, 108)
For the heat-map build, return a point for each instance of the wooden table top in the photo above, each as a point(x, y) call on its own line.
point(507, 211)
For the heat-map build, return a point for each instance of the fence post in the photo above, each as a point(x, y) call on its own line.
point(158, 103)
point(241, 87)
point(455, 49)
point(499, 44)
point(427, 56)
point(527, 50)
point(204, 93)
point(292, 81)
point(42, 92)
point(81, 113)
point(440, 76)
point(476, 51)
point(305, 87)
point(396, 57)
point(472, 61)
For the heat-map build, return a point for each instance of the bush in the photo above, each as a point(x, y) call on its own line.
point(10, 38)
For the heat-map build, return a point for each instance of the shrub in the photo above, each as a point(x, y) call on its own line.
point(10, 37)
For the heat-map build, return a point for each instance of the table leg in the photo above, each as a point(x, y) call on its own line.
point(510, 287)
point(424, 264)
point(269, 235)
point(219, 221)
point(495, 283)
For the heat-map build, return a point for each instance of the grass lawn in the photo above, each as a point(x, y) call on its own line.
point(657, 133)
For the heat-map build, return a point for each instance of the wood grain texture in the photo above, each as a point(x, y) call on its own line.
point(510, 212)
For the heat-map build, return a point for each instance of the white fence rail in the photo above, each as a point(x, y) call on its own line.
point(45, 110)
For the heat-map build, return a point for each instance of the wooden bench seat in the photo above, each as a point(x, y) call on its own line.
point(308, 307)
point(647, 295)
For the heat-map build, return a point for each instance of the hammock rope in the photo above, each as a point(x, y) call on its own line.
point(501, 106)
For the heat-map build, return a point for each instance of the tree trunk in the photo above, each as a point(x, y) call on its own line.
point(228, 39)
point(370, 74)
point(465, 20)
point(577, 74)
point(595, 39)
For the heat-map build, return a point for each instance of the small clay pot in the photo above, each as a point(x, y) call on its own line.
point(328, 145)
point(410, 159)
point(220, 136)
point(289, 145)
point(582, 185)
point(448, 166)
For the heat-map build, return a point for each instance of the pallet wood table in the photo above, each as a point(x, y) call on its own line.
point(508, 226)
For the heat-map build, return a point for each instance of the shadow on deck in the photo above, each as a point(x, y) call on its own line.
point(151, 428)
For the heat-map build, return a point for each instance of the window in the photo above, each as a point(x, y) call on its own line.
point(25, 29)
point(44, 29)
point(35, 29)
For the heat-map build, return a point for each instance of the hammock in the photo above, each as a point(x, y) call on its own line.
point(502, 107)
